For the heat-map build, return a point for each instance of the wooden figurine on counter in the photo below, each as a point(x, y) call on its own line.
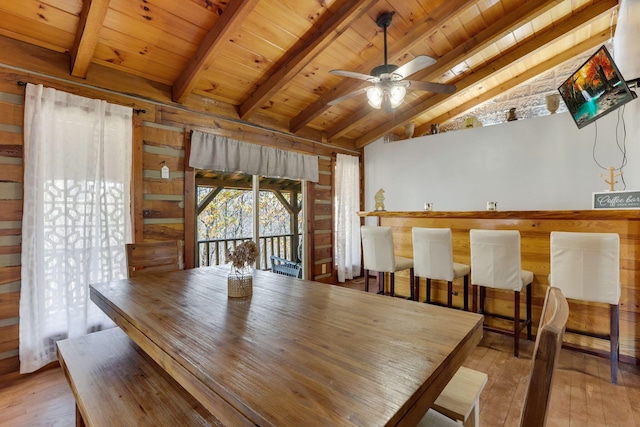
point(379, 198)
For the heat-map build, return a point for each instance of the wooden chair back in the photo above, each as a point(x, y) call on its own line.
point(546, 352)
point(154, 257)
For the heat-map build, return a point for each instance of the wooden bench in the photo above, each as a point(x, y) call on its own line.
point(460, 399)
point(115, 383)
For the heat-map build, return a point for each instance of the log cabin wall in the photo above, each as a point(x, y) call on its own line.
point(160, 135)
point(162, 199)
point(11, 178)
point(535, 228)
point(321, 222)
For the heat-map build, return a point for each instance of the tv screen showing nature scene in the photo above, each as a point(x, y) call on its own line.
point(595, 89)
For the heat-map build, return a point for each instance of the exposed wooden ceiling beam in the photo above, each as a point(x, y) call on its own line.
point(91, 19)
point(587, 14)
point(322, 37)
point(597, 40)
point(486, 37)
point(232, 17)
point(409, 40)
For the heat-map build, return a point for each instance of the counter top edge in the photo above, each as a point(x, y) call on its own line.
point(565, 214)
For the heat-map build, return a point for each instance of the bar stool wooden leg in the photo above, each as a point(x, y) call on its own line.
point(414, 290)
point(449, 294)
point(614, 311)
point(466, 293)
point(529, 320)
point(474, 298)
point(392, 278)
point(516, 323)
point(483, 292)
point(381, 283)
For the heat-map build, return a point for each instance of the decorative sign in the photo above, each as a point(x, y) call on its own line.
point(616, 200)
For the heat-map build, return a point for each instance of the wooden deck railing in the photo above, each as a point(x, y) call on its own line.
point(212, 252)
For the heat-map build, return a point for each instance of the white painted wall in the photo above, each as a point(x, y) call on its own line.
point(544, 163)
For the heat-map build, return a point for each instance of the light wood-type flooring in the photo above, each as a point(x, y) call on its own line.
point(582, 393)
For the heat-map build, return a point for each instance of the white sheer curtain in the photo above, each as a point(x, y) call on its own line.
point(347, 204)
point(76, 220)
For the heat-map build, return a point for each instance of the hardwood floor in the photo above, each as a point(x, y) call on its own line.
point(41, 399)
point(582, 394)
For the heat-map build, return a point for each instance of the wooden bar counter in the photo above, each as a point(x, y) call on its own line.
point(535, 228)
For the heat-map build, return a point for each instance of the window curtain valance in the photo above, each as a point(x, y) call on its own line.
point(209, 151)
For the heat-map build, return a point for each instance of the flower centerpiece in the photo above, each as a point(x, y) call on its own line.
point(242, 258)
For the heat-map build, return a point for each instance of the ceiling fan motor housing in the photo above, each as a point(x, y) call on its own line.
point(384, 69)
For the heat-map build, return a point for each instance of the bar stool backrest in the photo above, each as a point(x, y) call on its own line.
point(432, 253)
point(586, 266)
point(377, 248)
point(495, 259)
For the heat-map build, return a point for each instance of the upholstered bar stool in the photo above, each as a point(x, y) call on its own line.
point(379, 257)
point(495, 263)
point(433, 260)
point(586, 267)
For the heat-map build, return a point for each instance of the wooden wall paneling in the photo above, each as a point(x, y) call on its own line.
point(12, 112)
point(136, 180)
point(323, 224)
point(9, 336)
point(163, 208)
point(9, 304)
point(190, 206)
point(11, 196)
point(311, 272)
point(10, 364)
point(163, 230)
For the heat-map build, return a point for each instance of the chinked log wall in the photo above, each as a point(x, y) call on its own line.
point(160, 135)
point(535, 228)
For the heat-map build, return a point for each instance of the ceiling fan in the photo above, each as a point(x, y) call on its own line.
point(388, 84)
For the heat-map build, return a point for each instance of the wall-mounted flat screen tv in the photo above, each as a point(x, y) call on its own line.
point(595, 89)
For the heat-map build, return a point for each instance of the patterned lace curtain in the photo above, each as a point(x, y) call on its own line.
point(76, 219)
point(347, 234)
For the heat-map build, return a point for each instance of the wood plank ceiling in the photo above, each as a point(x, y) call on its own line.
point(269, 60)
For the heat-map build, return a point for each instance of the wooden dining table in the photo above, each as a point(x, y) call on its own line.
point(295, 353)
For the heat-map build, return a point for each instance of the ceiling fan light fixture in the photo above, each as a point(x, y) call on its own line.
point(375, 95)
point(396, 95)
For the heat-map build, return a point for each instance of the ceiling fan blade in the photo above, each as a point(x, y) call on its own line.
point(348, 96)
point(353, 74)
point(415, 65)
point(432, 86)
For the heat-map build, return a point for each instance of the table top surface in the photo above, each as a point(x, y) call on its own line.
point(296, 352)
